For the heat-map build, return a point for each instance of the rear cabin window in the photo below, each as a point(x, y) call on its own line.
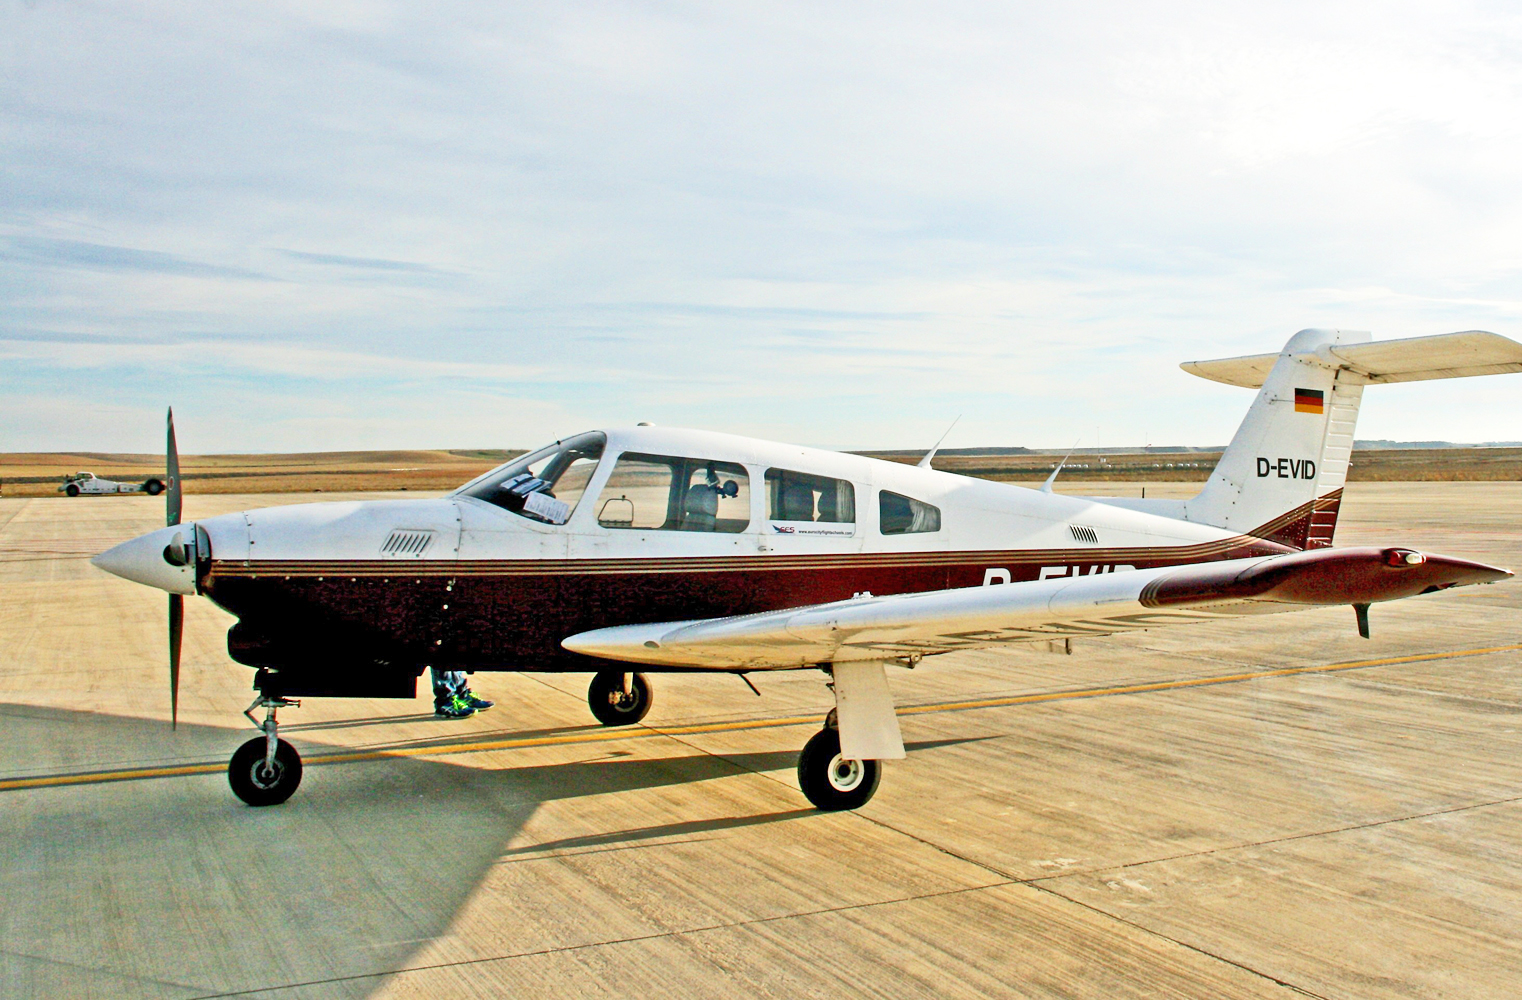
point(901, 515)
point(798, 496)
point(668, 493)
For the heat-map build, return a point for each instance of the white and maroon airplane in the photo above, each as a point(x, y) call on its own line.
point(644, 549)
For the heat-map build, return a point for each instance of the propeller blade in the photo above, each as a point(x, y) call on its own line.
point(176, 632)
point(172, 473)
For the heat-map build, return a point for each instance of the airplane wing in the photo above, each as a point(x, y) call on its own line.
point(914, 625)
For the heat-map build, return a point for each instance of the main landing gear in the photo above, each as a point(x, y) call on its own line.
point(266, 770)
point(864, 723)
point(829, 780)
point(618, 698)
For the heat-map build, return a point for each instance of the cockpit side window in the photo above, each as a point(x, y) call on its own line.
point(544, 485)
point(668, 493)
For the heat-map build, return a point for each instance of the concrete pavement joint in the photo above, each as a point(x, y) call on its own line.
point(1005, 878)
point(1270, 842)
point(631, 939)
point(94, 970)
point(1177, 942)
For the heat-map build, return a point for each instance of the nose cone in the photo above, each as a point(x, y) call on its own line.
point(142, 560)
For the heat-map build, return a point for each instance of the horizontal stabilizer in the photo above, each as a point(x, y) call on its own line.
point(1448, 355)
point(911, 625)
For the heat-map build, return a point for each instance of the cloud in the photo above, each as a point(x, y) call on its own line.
point(837, 225)
point(204, 356)
point(100, 257)
point(362, 263)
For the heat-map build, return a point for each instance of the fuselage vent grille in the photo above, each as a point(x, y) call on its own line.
point(407, 543)
point(1084, 533)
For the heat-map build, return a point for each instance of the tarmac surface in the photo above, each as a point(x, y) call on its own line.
point(1267, 808)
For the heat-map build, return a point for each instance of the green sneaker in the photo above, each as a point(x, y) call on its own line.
point(454, 708)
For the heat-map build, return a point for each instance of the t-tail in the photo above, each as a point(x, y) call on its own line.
point(1282, 476)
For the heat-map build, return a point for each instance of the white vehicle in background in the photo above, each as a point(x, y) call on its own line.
point(90, 483)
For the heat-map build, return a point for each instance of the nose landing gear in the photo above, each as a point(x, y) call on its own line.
point(266, 770)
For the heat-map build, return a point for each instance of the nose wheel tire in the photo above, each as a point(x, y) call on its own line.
point(615, 706)
point(153, 487)
point(261, 784)
point(832, 782)
point(71, 490)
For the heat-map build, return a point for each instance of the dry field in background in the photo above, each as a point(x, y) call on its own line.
point(40, 474)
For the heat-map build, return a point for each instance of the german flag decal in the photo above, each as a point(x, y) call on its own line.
point(1310, 401)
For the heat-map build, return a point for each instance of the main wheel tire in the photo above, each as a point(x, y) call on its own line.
point(611, 705)
point(830, 781)
point(71, 490)
point(261, 786)
point(153, 487)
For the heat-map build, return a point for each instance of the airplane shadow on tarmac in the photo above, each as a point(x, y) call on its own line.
point(172, 887)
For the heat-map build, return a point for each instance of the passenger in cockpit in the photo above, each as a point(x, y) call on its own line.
point(700, 508)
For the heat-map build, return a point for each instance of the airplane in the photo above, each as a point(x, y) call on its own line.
point(635, 550)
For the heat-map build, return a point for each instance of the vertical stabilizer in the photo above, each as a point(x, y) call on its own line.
point(1282, 476)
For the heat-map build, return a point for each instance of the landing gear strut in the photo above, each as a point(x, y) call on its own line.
point(266, 770)
point(618, 698)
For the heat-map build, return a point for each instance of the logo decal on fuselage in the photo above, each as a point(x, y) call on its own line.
point(793, 529)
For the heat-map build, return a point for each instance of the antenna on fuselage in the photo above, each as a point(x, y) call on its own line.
point(924, 463)
point(1046, 487)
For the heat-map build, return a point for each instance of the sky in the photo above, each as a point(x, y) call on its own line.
point(384, 225)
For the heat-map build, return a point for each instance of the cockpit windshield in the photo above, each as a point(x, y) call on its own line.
point(543, 485)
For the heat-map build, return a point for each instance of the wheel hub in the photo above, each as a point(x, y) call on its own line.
point(845, 774)
point(266, 775)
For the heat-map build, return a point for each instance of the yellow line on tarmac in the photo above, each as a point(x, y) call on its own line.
point(1025, 699)
point(99, 777)
point(605, 735)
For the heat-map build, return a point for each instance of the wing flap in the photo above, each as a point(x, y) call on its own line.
point(920, 624)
